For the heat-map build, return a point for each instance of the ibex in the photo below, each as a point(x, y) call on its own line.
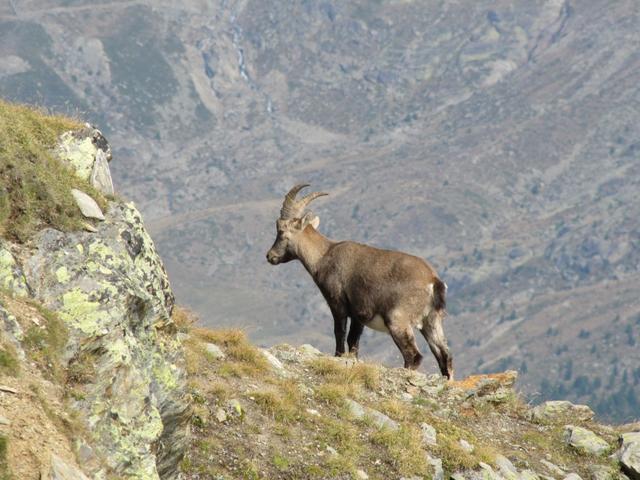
point(385, 290)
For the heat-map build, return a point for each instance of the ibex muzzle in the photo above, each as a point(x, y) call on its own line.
point(385, 290)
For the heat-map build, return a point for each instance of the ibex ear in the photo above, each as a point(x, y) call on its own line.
point(309, 219)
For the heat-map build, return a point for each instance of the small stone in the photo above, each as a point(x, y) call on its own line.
point(362, 475)
point(585, 440)
point(313, 411)
point(221, 415)
point(87, 205)
point(309, 350)
point(332, 450)
point(215, 351)
point(355, 409)
point(89, 228)
point(573, 476)
point(429, 435)
point(466, 446)
point(275, 363)
point(4, 421)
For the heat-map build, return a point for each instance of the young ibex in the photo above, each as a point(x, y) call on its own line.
point(385, 290)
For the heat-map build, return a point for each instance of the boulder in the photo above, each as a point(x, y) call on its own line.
point(585, 440)
point(559, 410)
point(61, 470)
point(629, 454)
point(112, 293)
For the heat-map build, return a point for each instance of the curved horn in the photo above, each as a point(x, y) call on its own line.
point(288, 209)
point(306, 200)
point(292, 208)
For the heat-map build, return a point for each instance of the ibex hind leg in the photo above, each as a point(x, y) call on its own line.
point(405, 340)
point(434, 334)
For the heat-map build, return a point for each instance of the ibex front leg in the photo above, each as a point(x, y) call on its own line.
point(339, 330)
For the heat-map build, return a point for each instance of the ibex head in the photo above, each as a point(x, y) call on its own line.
point(292, 222)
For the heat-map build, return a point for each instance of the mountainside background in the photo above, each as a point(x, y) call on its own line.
point(500, 140)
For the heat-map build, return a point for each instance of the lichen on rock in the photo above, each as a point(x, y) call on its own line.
point(112, 292)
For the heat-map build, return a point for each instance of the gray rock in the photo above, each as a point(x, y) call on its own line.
point(362, 475)
point(4, 421)
point(379, 419)
point(528, 475)
point(214, 351)
point(572, 476)
point(276, 364)
point(87, 205)
point(429, 434)
point(629, 456)
point(556, 470)
point(101, 175)
point(506, 467)
point(309, 350)
point(436, 463)
point(61, 470)
point(602, 472)
point(488, 473)
point(558, 410)
point(585, 440)
point(466, 446)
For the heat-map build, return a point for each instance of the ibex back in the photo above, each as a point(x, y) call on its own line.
point(385, 290)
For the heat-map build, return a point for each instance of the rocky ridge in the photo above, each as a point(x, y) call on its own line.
point(292, 412)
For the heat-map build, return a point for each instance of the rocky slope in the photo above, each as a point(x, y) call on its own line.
point(91, 369)
point(294, 413)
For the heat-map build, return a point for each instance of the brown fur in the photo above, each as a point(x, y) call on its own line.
point(364, 283)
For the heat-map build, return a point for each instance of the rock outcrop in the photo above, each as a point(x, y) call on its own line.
point(110, 290)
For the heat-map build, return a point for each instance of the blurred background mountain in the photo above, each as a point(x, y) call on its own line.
point(498, 139)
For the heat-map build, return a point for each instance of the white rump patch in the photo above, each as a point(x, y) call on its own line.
point(377, 323)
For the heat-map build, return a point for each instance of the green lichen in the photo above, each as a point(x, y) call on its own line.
point(78, 153)
point(11, 279)
point(80, 312)
point(62, 274)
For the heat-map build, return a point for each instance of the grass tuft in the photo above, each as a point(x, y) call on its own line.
point(9, 364)
point(45, 343)
point(5, 474)
point(405, 448)
point(35, 187)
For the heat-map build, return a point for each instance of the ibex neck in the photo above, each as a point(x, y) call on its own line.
point(311, 248)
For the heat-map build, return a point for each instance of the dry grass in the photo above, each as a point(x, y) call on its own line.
point(9, 364)
point(333, 370)
point(183, 318)
point(35, 187)
point(283, 403)
point(405, 448)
